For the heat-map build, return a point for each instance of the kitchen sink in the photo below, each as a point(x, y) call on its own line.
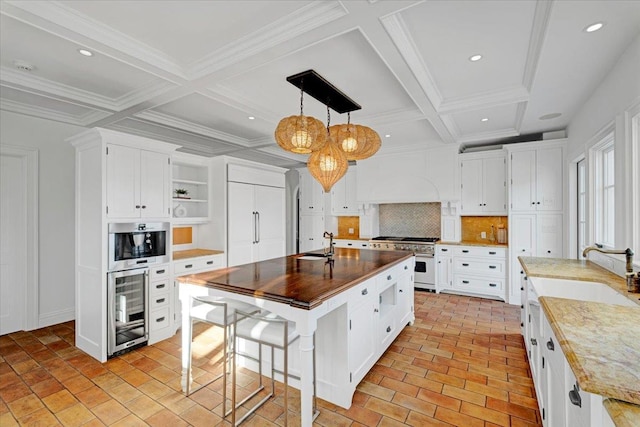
point(578, 290)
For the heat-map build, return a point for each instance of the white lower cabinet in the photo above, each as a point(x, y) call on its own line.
point(161, 303)
point(379, 309)
point(347, 243)
point(561, 401)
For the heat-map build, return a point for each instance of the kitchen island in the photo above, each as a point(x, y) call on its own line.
point(355, 305)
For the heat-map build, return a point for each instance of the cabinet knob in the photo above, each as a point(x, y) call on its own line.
point(523, 250)
point(137, 206)
point(388, 328)
point(375, 310)
point(574, 396)
point(364, 291)
point(533, 203)
point(534, 341)
point(550, 345)
point(548, 252)
point(537, 203)
point(389, 277)
point(400, 290)
point(406, 267)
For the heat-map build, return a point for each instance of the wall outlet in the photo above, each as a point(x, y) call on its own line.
point(351, 231)
point(483, 234)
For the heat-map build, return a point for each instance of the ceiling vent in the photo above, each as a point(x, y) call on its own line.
point(22, 65)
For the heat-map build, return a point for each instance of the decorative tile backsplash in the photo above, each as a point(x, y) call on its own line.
point(410, 219)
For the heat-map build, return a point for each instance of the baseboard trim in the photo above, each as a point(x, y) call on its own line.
point(56, 317)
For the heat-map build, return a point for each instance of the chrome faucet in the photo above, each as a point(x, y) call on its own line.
point(633, 279)
point(330, 236)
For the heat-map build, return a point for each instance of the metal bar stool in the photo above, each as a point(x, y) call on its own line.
point(219, 312)
point(274, 331)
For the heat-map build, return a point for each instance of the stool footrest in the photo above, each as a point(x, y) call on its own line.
point(255, 408)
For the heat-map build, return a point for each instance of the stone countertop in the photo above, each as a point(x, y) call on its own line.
point(490, 245)
point(365, 239)
point(622, 413)
point(297, 280)
point(194, 253)
point(577, 322)
point(573, 269)
point(601, 343)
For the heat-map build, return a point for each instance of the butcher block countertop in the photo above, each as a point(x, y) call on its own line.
point(194, 253)
point(300, 282)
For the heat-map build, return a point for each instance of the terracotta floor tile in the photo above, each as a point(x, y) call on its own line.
point(14, 392)
point(92, 396)
point(47, 387)
point(165, 418)
point(154, 389)
point(439, 399)
point(529, 402)
point(124, 393)
point(522, 412)
point(387, 409)
point(464, 395)
point(25, 405)
point(486, 390)
point(59, 401)
point(40, 418)
point(400, 387)
point(110, 411)
point(414, 404)
point(376, 390)
point(420, 420)
point(77, 383)
point(76, 415)
point(8, 420)
point(129, 421)
point(360, 414)
point(445, 379)
point(486, 414)
point(457, 419)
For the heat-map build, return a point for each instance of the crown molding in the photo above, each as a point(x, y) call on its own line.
point(184, 125)
point(275, 150)
point(520, 110)
point(539, 28)
point(400, 35)
point(307, 18)
point(66, 22)
point(48, 114)
point(483, 136)
point(483, 100)
point(21, 81)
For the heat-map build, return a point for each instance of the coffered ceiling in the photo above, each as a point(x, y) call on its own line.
point(194, 72)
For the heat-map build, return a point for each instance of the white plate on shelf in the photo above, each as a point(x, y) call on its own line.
point(179, 211)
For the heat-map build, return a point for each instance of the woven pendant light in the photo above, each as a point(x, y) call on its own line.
point(300, 134)
point(358, 142)
point(328, 164)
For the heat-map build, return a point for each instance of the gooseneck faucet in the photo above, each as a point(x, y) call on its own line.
point(330, 236)
point(632, 278)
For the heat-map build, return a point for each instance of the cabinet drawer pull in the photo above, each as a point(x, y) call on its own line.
point(444, 249)
point(364, 291)
point(375, 310)
point(137, 206)
point(492, 253)
point(466, 282)
point(144, 206)
point(574, 396)
point(465, 264)
point(406, 267)
point(389, 277)
point(493, 285)
point(161, 319)
point(209, 262)
point(188, 266)
point(160, 301)
point(160, 271)
point(492, 266)
point(349, 244)
point(465, 251)
point(388, 328)
point(160, 286)
point(550, 345)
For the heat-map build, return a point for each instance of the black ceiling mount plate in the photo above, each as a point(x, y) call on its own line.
point(317, 86)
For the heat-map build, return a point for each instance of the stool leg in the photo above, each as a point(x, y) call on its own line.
point(224, 365)
point(188, 388)
point(286, 374)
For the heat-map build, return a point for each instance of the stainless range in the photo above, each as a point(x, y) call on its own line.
point(422, 247)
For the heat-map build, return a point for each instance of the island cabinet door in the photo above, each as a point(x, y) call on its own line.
point(362, 337)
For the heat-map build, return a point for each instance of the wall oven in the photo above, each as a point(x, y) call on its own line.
point(127, 310)
point(132, 245)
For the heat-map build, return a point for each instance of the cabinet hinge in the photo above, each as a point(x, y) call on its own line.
point(107, 209)
point(169, 160)
point(349, 324)
point(543, 363)
point(543, 414)
point(350, 377)
point(169, 211)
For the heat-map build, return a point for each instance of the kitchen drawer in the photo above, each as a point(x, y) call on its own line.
point(555, 357)
point(479, 266)
point(387, 330)
point(445, 250)
point(159, 301)
point(355, 244)
point(159, 287)
point(159, 319)
point(478, 284)
point(388, 278)
point(158, 272)
point(362, 292)
point(407, 266)
point(197, 265)
point(480, 251)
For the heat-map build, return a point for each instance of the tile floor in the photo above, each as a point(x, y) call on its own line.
point(462, 363)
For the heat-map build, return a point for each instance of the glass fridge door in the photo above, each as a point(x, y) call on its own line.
point(127, 312)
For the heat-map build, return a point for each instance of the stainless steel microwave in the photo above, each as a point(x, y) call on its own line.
point(134, 245)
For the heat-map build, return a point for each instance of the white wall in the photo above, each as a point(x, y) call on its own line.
point(56, 209)
point(609, 104)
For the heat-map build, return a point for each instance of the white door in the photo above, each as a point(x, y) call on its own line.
point(311, 231)
point(13, 245)
point(350, 194)
point(241, 226)
point(123, 182)
point(471, 182)
point(338, 197)
point(270, 225)
point(523, 181)
point(311, 194)
point(154, 184)
point(549, 179)
point(494, 188)
point(549, 232)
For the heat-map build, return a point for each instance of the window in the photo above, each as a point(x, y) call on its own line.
point(582, 206)
point(604, 180)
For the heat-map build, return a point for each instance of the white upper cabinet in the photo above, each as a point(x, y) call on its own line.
point(483, 184)
point(311, 194)
point(343, 195)
point(536, 180)
point(137, 183)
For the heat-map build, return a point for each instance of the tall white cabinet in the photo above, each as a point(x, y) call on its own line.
point(116, 175)
point(344, 195)
point(256, 213)
point(311, 217)
point(536, 205)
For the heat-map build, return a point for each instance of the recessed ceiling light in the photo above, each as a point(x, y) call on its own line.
point(550, 116)
point(594, 27)
point(251, 118)
point(484, 119)
point(475, 58)
point(388, 135)
point(85, 52)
